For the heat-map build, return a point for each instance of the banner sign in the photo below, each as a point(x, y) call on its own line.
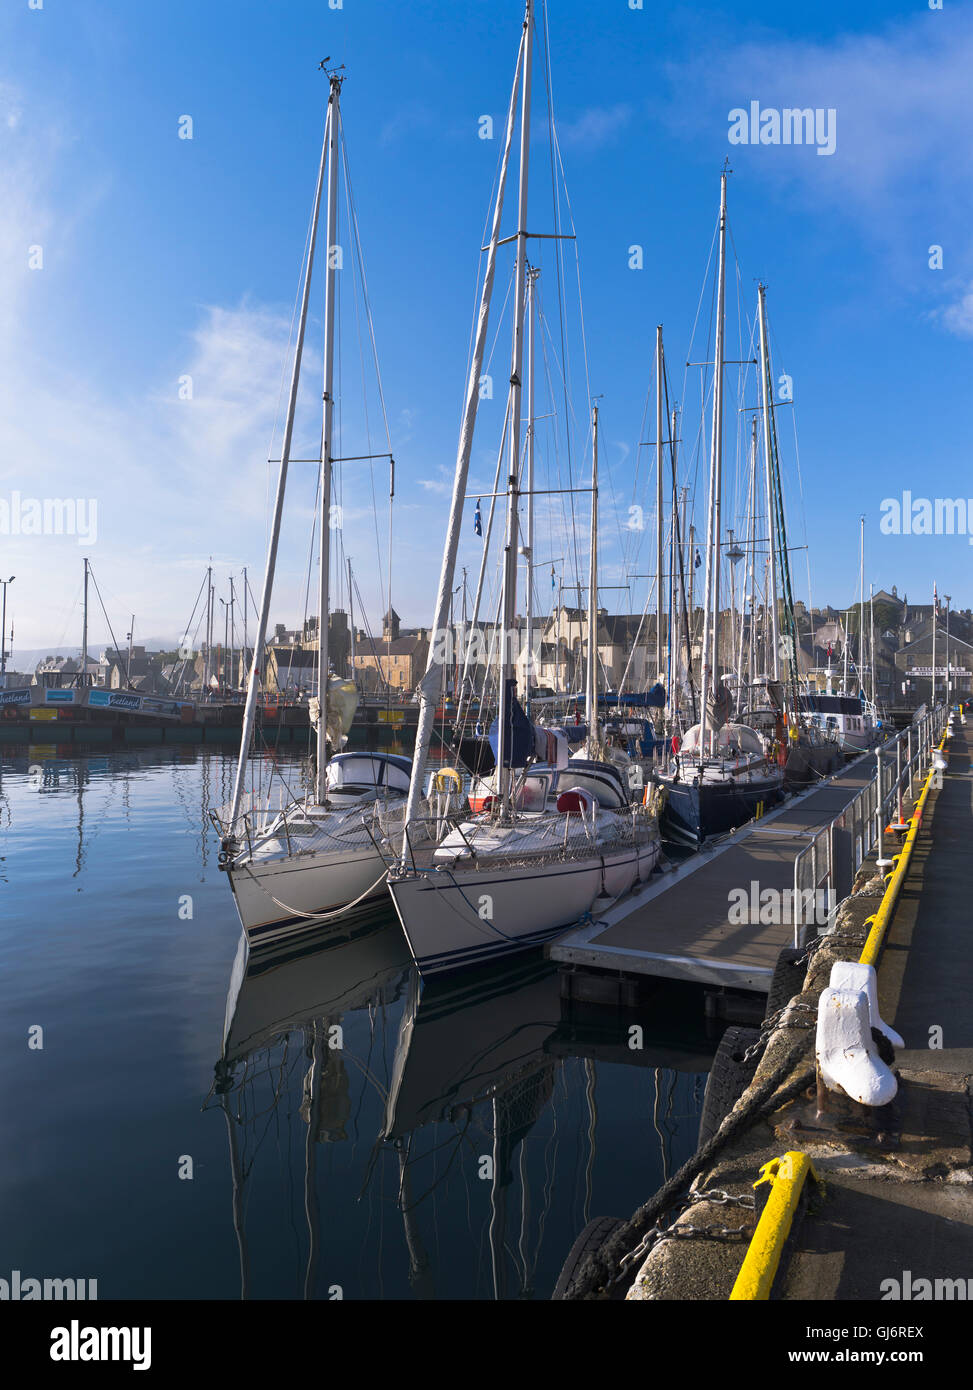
point(14, 697)
point(152, 706)
point(114, 699)
point(54, 695)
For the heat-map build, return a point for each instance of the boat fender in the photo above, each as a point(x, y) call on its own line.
point(591, 1239)
point(446, 779)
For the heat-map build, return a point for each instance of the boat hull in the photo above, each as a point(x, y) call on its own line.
point(854, 743)
point(277, 900)
point(453, 918)
point(807, 763)
point(692, 813)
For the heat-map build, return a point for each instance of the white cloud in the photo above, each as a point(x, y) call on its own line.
point(440, 486)
point(958, 317)
point(175, 480)
point(594, 127)
point(904, 107)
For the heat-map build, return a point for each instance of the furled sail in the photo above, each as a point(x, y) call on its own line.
point(342, 701)
point(719, 707)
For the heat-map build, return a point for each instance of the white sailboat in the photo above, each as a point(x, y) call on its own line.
point(851, 719)
point(552, 841)
point(320, 856)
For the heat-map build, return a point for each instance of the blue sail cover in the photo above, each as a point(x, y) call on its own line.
point(650, 699)
point(519, 740)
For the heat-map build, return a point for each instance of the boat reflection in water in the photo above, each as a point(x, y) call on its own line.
point(463, 1113)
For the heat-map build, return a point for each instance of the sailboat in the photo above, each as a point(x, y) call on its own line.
point(553, 839)
point(777, 699)
point(850, 719)
point(320, 855)
point(721, 774)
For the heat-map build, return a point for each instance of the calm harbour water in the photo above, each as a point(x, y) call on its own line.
point(344, 1130)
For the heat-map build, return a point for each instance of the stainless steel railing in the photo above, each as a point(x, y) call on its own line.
point(899, 763)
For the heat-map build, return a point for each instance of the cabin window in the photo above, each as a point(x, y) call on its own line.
point(533, 796)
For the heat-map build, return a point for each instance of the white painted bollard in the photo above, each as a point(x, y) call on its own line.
point(845, 1055)
point(849, 974)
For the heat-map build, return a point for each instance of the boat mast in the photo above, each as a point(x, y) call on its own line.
point(861, 610)
point(682, 601)
point(871, 640)
point(84, 631)
point(935, 616)
point(591, 685)
point(232, 628)
point(509, 609)
point(209, 629)
point(658, 501)
point(351, 623)
point(751, 665)
point(767, 391)
point(672, 603)
point(691, 609)
point(285, 453)
point(711, 603)
point(432, 680)
point(747, 568)
point(532, 275)
point(324, 518)
point(245, 639)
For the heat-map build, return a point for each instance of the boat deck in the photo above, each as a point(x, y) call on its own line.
point(677, 926)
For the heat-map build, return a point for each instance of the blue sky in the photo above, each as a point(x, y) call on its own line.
point(165, 257)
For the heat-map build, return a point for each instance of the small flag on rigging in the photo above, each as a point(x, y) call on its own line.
point(477, 520)
point(698, 561)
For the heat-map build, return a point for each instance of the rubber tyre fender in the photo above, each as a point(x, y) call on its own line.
point(729, 1077)
point(591, 1239)
point(787, 979)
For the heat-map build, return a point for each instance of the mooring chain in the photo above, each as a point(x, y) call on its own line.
point(687, 1231)
point(709, 1232)
point(719, 1198)
point(772, 1023)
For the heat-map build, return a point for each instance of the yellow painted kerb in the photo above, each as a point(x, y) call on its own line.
point(786, 1176)
point(878, 924)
